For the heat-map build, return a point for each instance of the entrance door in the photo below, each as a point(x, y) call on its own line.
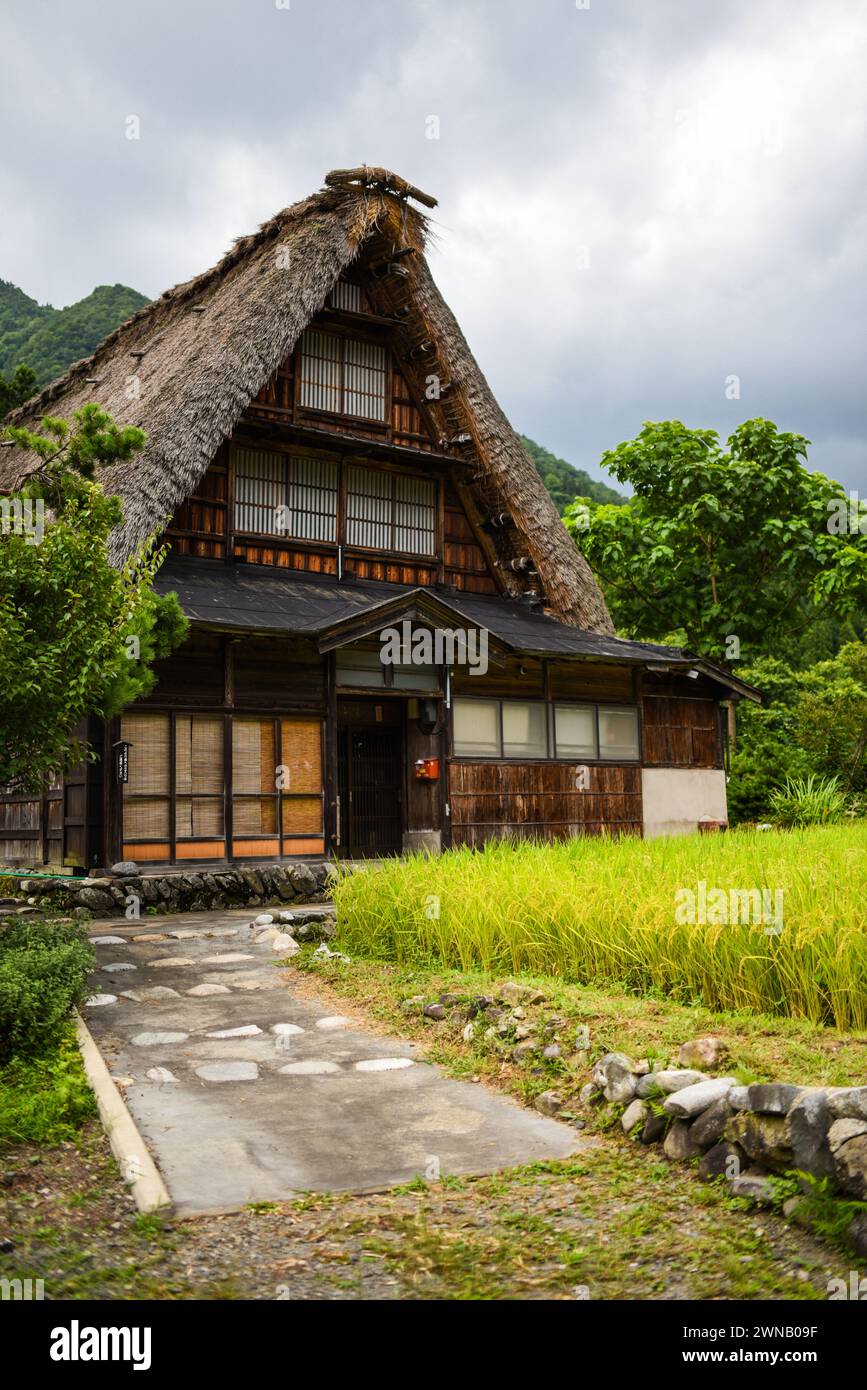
point(371, 792)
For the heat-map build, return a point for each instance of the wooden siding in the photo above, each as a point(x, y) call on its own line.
point(681, 732)
point(200, 525)
point(589, 680)
point(541, 800)
point(519, 677)
point(464, 561)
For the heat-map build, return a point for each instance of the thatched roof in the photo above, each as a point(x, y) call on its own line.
point(200, 353)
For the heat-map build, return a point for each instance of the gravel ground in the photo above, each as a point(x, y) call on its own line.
point(612, 1224)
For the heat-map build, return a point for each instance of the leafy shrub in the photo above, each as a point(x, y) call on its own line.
point(45, 1100)
point(43, 975)
point(809, 800)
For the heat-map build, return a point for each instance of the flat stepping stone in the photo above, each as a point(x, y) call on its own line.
point(333, 1022)
point(284, 1030)
point(107, 941)
point(312, 1067)
point(96, 999)
point(204, 991)
point(119, 968)
point(163, 962)
point(157, 1039)
point(149, 936)
point(161, 1074)
point(253, 984)
point(228, 959)
point(384, 1064)
point(151, 995)
point(249, 1030)
point(187, 935)
point(229, 1071)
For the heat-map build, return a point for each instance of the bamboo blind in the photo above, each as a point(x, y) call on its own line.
point(199, 772)
point(147, 806)
point(254, 771)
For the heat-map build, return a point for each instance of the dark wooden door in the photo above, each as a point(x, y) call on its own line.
point(371, 792)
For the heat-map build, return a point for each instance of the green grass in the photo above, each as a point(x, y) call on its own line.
point(757, 1047)
point(45, 1100)
point(602, 912)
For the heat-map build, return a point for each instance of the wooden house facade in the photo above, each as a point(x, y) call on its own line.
point(394, 644)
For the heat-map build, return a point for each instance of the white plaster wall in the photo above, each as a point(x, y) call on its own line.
point(675, 799)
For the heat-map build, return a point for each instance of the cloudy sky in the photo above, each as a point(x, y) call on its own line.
point(639, 199)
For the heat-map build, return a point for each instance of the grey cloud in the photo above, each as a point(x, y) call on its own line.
point(711, 157)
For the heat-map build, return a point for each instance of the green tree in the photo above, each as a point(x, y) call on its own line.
point(745, 542)
point(766, 749)
point(18, 389)
point(77, 635)
point(810, 722)
point(830, 717)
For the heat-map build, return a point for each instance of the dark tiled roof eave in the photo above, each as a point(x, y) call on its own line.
point(261, 599)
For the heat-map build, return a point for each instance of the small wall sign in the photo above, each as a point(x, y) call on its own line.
point(121, 760)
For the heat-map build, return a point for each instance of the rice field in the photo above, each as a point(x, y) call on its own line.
point(779, 926)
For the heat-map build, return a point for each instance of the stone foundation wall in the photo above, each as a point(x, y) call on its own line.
point(127, 891)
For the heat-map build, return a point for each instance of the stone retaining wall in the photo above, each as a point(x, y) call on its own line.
point(128, 891)
point(746, 1135)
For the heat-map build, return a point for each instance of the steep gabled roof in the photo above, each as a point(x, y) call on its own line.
point(187, 366)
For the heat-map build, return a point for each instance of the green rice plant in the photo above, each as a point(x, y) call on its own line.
point(809, 800)
point(605, 912)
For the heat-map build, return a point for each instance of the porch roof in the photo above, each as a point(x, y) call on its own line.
point(261, 599)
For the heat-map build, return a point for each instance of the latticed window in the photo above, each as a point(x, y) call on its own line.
point(277, 778)
point(301, 778)
point(199, 785)
point(277, 786)
point(390, 511)
point(345, 376)
point(349, 297)
point(285, 494)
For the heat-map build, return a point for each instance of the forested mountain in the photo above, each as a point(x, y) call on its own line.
point(564, 481)
point(46, 339)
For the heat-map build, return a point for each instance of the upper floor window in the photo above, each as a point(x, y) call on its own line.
point(348, 296)
point(286, 495)
point(296, 496)
point(345, 376)
point(390, 511)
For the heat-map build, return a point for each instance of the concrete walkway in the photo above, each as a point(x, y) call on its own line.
point(246, 1092)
